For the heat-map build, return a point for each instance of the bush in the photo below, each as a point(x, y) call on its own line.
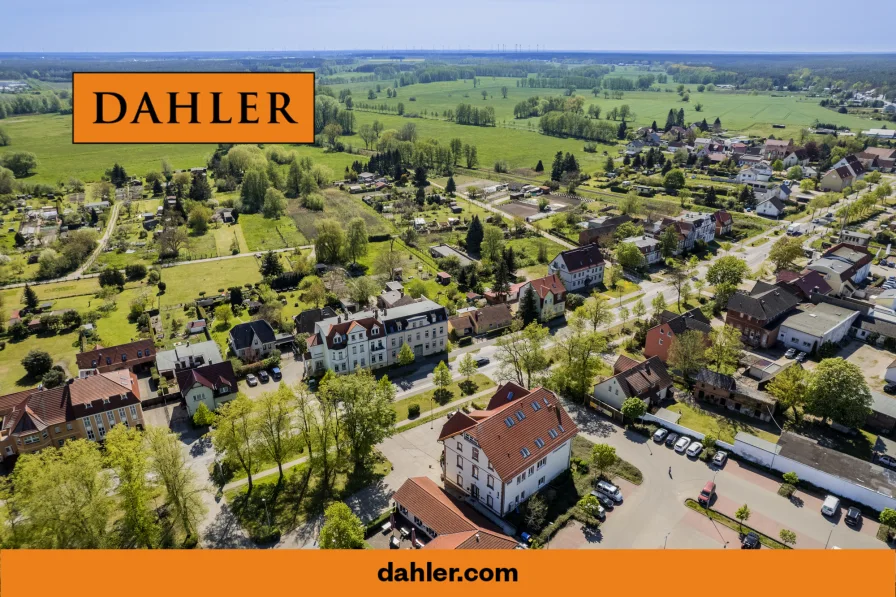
point(413, 411)
point(264, 534)
point(574, 301)
point(135, 271)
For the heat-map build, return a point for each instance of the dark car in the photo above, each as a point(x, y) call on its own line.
point(482, 362)
point(890, 388)
point(263, 376)
point(276, 373)
point(853, 517)
point(750, 541)
point(671, 439)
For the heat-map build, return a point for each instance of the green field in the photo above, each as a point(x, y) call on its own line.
point(49, 136)
point(262, 234)
point(185, 282)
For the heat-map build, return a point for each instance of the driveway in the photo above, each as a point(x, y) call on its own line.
point(291, 369)
point(655, 513)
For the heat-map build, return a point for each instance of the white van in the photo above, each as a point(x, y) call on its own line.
point(831, 506)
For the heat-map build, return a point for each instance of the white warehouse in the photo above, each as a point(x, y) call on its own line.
point(808, 330)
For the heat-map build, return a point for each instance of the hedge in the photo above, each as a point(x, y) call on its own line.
point(241, 370)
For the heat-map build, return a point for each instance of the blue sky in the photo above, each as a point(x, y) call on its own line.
point(629, 25)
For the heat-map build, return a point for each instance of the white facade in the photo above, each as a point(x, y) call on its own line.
point(199, 394)
point(704, 225)
point(768, 208)
point(800, 338)
point(467, 466)
point(579, 278)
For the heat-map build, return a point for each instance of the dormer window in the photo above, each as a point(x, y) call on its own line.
point(525, 452)
point(108, 360)
point(139, 354)
point(124, 357)
point(147, 352)
point(93, 363)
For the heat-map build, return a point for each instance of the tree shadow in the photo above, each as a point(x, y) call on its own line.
point(442, 396)
point(468, 387)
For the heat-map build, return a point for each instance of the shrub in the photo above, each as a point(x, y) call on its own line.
point(413, 411)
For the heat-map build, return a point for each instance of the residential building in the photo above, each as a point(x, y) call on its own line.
point(883, 413)
point(854, 237)
point(134, 356)
point(82, 408)
point(649, 247)
point(816, 325)
point(659, 338)
point(211, 385)
point(648, 380)
point(579, 268)
point(488, 319)
point(188, 356)
point(878, 158)
point(724, 222)
point(599, 231)
point(505, 454)
point(444, 251)
point(252, 340)
point(804, 285)
point(844, 267)
point(460, 326)
point(775, 149)
point(687, 234)
point(704, 225)
point(741, 394)
point(797, 157)
point(444, 522)
point(842, 174)
point(758, 313)
point(550, 295)
point(771, 207)
point(373, 339)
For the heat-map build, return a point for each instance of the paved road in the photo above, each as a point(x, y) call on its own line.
point(654, 513)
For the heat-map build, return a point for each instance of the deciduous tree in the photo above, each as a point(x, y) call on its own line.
point(341, 528)
point(837, 390)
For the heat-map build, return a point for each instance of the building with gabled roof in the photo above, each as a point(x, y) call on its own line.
point(671, 325)
point(446, 522)
point(82, 408)
point(132, 356)
point(503, 455)
point(758, 314)
point(579, 268)
point(844, 267)
point(723, 222)
point(373, 339)
point(252, 340)
point(740, 394)
point(211, 385)
point(648, 380)
point(550, 295)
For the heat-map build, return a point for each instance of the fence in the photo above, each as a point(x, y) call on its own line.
point(771, 459)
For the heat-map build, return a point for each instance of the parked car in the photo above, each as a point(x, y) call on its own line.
point(801, 358)
point(791, 352)
point(482, 362)
point(830, 506)
point(263, 376)
point(853, 517)
point(705, 496)
point(610, 490)
point(887, 460)
point(891, 264)
point(659, 436)
point(682, 444)
point(671, 439)
point(276, 374)
point(890, 388)
point(720, 458)
point(750, 541)
point(694, 449)
point(605, 500)
point(251, 380)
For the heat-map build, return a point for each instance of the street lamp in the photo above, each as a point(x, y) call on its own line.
point(266, 511)
point(666, 538)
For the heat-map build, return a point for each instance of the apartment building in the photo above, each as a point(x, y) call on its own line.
point(503, 455)
point(579, 268)
point(83, 408)
point(373, 339)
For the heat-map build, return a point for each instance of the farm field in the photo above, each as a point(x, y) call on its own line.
point(340, 206)
point(49, 137)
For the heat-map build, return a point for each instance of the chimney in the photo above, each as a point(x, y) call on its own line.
point(339, 319)
point(477, 537)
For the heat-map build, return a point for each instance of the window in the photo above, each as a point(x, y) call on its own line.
point(525, 452)
point(509, 422)
point(44, 434)
point(460, 447)
point(562, 430)
point(490, 482)
point(57, 429)
point(147, 352)
point(460, 462)
point(476, 454)
point(490, 502)
point(111, 416)
point(139, 353)
point(536, 406)
point(133, 412)
point(460, 481)
point(542, 462)
point(124, 357)
point(32, 439)
point(519, 415)
point(539, 443)
point(475, 472)
point(490, 467)
point(553, 433)
point(541, 482)
point(9, 450)
point(661, 341)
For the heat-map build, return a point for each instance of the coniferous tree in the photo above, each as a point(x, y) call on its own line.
point(528, 310)
point(680, 119)
point(653, 125)
point(670, 119)
point(29, 297)
point(539, 167)
point(557, 167)
point(711, 199)
point(620, 132)
point(475, 233)
point(450, 187)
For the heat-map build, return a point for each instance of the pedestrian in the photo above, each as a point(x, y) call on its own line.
point(670, 472)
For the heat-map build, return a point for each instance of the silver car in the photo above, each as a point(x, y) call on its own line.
point(611, 490)
point(682, 444)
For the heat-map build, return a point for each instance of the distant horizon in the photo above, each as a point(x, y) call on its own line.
point(527, 52)
point(653, 26)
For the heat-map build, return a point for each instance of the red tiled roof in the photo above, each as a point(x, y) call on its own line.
point(108, 359)
point(503, 444)
point(552, 284)
point(505, 393)
point(212, 377)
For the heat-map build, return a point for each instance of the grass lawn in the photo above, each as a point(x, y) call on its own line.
point(725, 428)
point(185, 282)
point(302, 496)
point(224, 239)
point(62, 347)
point(341, 207)
point(735, 525)
point(262, 234)
point(456, 391)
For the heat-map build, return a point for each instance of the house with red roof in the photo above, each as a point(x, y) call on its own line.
point(724, 222)
point(82, 408)
point(579, 268)
point(648, 380)
point(550, 296)
point(442, 521)
point(211, 385)
point(503, 455)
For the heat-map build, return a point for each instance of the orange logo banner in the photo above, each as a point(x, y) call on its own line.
point(193, 108)
point(411, 573)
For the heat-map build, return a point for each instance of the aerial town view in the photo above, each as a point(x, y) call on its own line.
point(512, 298)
